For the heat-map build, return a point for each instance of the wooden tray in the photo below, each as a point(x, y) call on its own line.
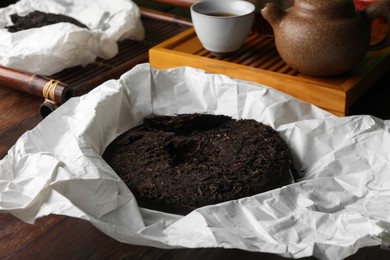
point(258, 61)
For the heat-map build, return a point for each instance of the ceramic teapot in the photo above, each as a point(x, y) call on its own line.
point(324, 38)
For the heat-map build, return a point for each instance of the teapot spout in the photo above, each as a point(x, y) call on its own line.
point(273, 14)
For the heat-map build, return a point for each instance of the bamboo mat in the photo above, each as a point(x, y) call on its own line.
point(158, 27)
point(58, 88)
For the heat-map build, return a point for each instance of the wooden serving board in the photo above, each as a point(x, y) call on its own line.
point(259, 61)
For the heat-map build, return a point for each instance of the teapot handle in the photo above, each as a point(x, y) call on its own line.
point(380, 9)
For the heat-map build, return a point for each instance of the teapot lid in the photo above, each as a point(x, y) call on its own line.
point(318, 6)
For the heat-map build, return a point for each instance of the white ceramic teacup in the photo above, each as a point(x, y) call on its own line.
point(222, 26)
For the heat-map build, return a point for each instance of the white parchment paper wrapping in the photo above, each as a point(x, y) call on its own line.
point(50, 49)
point(341, 204)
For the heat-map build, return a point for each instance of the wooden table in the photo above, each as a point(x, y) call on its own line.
point(63, 237)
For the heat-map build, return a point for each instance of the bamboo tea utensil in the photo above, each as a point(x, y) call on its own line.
point(53, 91)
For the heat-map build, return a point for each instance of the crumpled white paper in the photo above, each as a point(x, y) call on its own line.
point(50, 49)
point(342, 202)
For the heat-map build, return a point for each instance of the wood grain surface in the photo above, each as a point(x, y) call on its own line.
point(60, 237)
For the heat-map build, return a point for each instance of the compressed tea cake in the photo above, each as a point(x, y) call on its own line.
point(179, 163)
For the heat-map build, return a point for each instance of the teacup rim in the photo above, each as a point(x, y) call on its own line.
point(253, 8)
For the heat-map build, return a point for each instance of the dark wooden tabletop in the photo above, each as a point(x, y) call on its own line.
point(60, 237)
point(64, 237)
